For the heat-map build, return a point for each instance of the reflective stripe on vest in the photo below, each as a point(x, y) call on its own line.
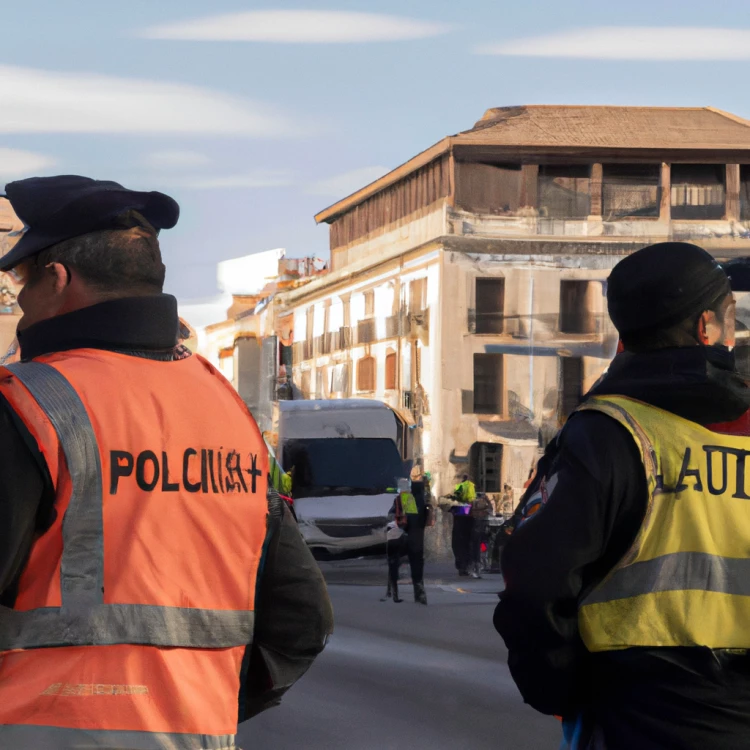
point(57, 738)
point(83, 618)
point(686, 579)
point(679, 571)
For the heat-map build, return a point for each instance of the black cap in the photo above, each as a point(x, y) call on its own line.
point(55, 209)
point(662, 285)
point(738, 271)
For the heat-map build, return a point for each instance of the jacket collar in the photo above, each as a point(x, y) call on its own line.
point(132, 324)
point(697, 383)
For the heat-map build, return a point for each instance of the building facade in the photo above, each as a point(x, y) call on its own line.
point(10, 313)
point(468, 286)
point(252, 348)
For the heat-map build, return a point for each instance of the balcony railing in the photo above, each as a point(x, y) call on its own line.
point(301, 351)
point(345, 337)
point(366, 333)
point(487, 322)
point(396, 325)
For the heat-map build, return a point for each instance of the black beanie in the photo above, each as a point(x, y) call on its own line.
point(662, 285)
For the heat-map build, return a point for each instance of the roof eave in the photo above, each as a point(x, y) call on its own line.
point(420, 160)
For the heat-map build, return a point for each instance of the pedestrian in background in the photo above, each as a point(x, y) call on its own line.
point(481, 510)
point(506, 501)
point(143, 558)
point(459, 506)
point(409, 513)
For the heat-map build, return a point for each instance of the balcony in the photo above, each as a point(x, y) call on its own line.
point(345, 337)
point(396, 326)
point(493, 323)
point(322, 345)
point(335, 340)
point(366, 333)
point(419, 325)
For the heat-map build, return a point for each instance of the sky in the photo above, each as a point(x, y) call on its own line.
point(256, 116)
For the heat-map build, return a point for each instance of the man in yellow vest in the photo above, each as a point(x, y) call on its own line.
point(459, 505)
point(466, 491)
point(409, 516)
point(627, 604)
point(279, 479)
point(153, 587)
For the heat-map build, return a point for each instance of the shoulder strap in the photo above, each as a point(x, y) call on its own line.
point(82, 567)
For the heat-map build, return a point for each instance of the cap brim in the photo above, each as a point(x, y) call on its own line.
point(159, 209)
point(27, 247)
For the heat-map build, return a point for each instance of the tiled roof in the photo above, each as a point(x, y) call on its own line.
point(577, 127)
point(609, 127)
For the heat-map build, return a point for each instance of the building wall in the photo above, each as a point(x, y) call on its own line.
point(10, 313)
point(532, 348)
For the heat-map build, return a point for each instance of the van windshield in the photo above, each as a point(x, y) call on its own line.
point(342, 466)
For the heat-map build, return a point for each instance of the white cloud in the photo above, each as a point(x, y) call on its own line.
point(631, 43)
point(341, 185)
point(38, 101)
point(298, 26)
point(17, 163)
point(177, 159)
point(256, 179)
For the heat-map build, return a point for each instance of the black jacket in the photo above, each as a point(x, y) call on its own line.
point(676, 698)
point(294, 616)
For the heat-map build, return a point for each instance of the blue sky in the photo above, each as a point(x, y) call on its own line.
point(269, 116)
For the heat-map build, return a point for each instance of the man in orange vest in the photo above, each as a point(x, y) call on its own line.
point(153, 589)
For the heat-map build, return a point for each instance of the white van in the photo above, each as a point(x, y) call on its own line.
point(348, 455)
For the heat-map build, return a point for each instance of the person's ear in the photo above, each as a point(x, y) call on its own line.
point(58, 275)
point(709, 328)
point(703, 329)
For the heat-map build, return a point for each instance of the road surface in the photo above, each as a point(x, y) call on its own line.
point(405, 676)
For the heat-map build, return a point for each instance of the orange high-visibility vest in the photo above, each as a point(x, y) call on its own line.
point(135, 607)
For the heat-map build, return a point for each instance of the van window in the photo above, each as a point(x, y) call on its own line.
point(342, 466)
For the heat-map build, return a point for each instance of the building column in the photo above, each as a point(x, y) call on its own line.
point(346, 299)
point(345, 303)
point(529, 188)
point(595, 190)
point(665, 192)
point(732, 210)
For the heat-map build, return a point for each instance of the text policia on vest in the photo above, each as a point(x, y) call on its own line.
point(204, 470)
point(714, 464)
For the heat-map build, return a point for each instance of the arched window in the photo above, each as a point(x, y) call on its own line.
point(366, 374)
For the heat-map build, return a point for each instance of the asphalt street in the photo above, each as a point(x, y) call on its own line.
point(406, 676)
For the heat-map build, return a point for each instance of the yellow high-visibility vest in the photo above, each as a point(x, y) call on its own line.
point(686, 579)
point(286, 484)
point(466, 491)
point(275, 473)
point(409, 504)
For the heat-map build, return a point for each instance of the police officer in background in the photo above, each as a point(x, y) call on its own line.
point(135, 512)
point(459, 506)
point(625, 608)
point(409, 512)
